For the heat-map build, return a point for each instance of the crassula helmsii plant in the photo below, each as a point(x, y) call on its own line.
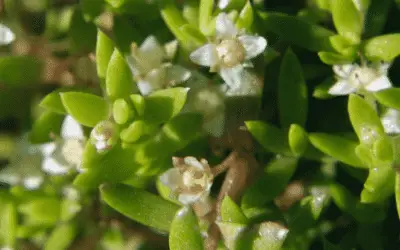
point(229, 124)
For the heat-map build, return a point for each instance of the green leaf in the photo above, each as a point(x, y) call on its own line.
point(339, 148)
point(298, 139)
point(139, 205)
point(42, 211)
point(164, 104)
point(119, 82)
point(232, 233)
point(185, 231)
point(321, 90)
point(61, 237)
point(343, 46)
point(104, 51)
point(136, 130)
point(376, 17)
point(298, 32)
point(18, 71)
point(271, 236)
point(383, 47)
point(347, 19)
point(230, 212)
point(271, 183)
point(192, 37)
point(87, 109)
point(205, 15)
point(383, 150)
point(364, 119)
point(379, 184)
point(122, 112)
point(8, 222)
point(82, 34)
point(269, 136)
point(138, 103)
point(246, 17)
point(331, 58)
point(292, 93)
point(397, 193)
point(53, 102)
point(389, 97)
point(47, 124)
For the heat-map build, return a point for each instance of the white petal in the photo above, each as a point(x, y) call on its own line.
point(189, 198)
point(205, 56)
point(171, 178)
point(225, 28)
point(344, 70)
point(33, 182)
point(6, 35)
point(342, 87)
point(222, 4)
point(379, 83)
point(154, 80)
point(251, 85)
point(383, 67)
point(48, 148)
point(232, 76)
point(176, 74)
point(391, 121)
point(71, 128)
point(145, 87)
point(152, 51)
point(191, 161)
point(9, 175)
point(53, 167)
point(254, 45)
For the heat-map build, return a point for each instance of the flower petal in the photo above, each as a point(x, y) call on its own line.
point(224, 26)
point(391, 121)
point(205, 56)
point(171, 178)
point(145, 87)
point(193, 162)
point(71, 128)
point(222, 4)
point(342, 87)
point(254, 45)
point(232, 76)
point(33, 182)
point(382, 82)
point(251, 85)
point(344, 70)
point(176, 74)
point(187, 199)
point(6, 35)
point(151, 51)
point(53, 167)
point(48, 148)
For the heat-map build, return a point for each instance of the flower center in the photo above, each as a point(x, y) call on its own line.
point(231, 52)
point(193, 177)
point(363, 76)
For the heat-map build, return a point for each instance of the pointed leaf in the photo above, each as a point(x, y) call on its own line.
point(339, 148)
point(231, 233)
point(53, 103)
point(292, 92)
point(119, 82)
point(379, 184)
point(8, 221)
point(270, 236)
point(246, 17)
point(389, 97)
point(230, 212)
point(383, 47)
point(85, 108)
point(298, 139)
point(205, 15)
point(61, 237)
point(122, 112)
point(332, 58)
point(104, 51)
point(185, 231)
point(141, 206)
point(47, 124)
point(347, 19)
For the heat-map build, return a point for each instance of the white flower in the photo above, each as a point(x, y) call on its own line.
point(391, 121)
point(6, 35)
point(25, 166)
point(231, 51)
point(103, 136)
point(222, 4)
point(353, 78)
point(190, 179)
point(149, 70)
point(65, 153)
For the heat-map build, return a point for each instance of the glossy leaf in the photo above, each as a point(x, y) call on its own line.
point(364, 119)
point(45, 126)
point(53, 102)
point(138, 103)
point(339, 148)
point(347, 19)
point(341, 44)
point(270, 236)
point(298, 139)
point(246, 17)
point(164, 104)
point(389, 97)
point(136, 130)
point(379, 184)
point(292, 92)
point(119, 82)
point(185, 231)
point(383, 47)
point(230, 212)
point(8, 221)
point(104, 51)
point(298, 32)
point(121, 111)
point(232, 233)
point(85, 108)
point(332, 58)
point(141, 206)
point(174, 20)
point(269, 136)
point(18, 71)
point(205, 12)
point(271, 183)
point(61, 237)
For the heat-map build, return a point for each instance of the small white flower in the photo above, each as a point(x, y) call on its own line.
point(149, 70)
point(353, 78)
point(6, 35)
point(231, 51)
point(24, 168)
point(103, 136)
point(391, 121)
point(65, 153)
point(190, 179)
point(222, 4)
